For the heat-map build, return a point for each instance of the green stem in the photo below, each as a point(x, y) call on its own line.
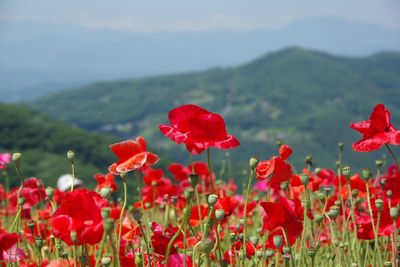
point(99, 253)
point(393, 156)
point(73, 175)
point(146, 242)
point(210, 170)
point(123, 177)
point(245, 210)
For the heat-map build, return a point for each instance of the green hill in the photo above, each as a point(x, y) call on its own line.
point(304, 97)
point(44, 143)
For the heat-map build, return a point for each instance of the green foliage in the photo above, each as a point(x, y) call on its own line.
point(44, 144)
point(305, 98)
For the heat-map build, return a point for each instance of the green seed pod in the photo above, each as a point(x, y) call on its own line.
point(74, 237)
point(193, 180)
point(259, 254)
point(269, 253)
point(279, 143)
point(219, 214)
point(311, 252)
point(277, 240)
point(253, 162)
point(284, 185)
point(286, 249)
point(206, 246)
point(389, 193)
point(189, 193)
point(49, 192)
point(108, 225)
point(106, 261)
point(254, 240)
point(309, 160)
point(321, 196)
point(105, 192)
point(105, 213)
point(16, 157)
point(304, 178)
point(379, 204)
point(379, 163)
point(31, 225)
point(174, 200)
point(71, 155)
point(212, 200)
point(387, 264)
point(318, 218)
point(21, 201)
point(394, 212)
point(346, 171)
point(39, 242)
point(354, 193)
point(366, 174)
point(341, 146)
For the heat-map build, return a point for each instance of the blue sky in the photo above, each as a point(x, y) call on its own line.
point(205, 15)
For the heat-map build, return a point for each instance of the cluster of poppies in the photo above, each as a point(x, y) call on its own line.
point(187, 215)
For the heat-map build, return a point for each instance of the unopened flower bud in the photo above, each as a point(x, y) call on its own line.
point(74, 237)
point(108, 225)
point(21, 201)
point(105, 213)
point(394, 212)
point(387, 264)
point(212, 200)
point(383, 181)
point(174, 200)
point(219, 214)
point(317, 170)
point(318, 218)
point(320, 196)
point(269, 253)
point(232, 237)
point(39, 242)
point(49, 192)
point(311, 252)
point(389, 193)
point(71, 155)
point(137, 216)
point(105, 192)
point(346, 171)
point(189, 193)
point(304, 178)
point(253, 163)
point(341, 146)
point(106, 261)
point(366, 174)
point(309, 160)
point(193, 180)
point(279, 143)
point(284, 185)
point(16, 157)
point(206, 246)
point(379, 204)
point(31, 225)
point(379, 163)
point(153, 183)
point(354, 193)
point(337, 203)
point(277, 240)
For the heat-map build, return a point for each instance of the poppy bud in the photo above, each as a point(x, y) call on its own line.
point(137, 215)
point(269, 253)
point(232, 237)
point(105, 213)
point(49, 192)
point(304, 178)
point(105, 192)
point(39, 242)
point(174, 200)
point(153, 183)
point(277, 241)
point(147, 205)
point(379, 163)
point(284, 185)
point(74, 237)
point(206, 246)
point(346, 171)
point(21, 201)
point(189, 193)
point(219, 214)
point(341, 146)
point(108, 225)
point(387, 264)
point(383, 181)
point(320, 196)
point(212, 200)
point(379, 204)
point(31, 225)
point(318, 218)
point(16, 157)
point(312, 252)
point(354, 193)
point(317, 170)
point(193, 180)
point(285, 249)
point(279, 143)
point(389, 193)
point(394, 212)
point(309, 160)
point(71, 155)
point(259, 254)
point(327, 190)
point(105, 261)
point(334, 211)
point(254, 240)
point(366, 174)
point(253, 163)
point(337, 203)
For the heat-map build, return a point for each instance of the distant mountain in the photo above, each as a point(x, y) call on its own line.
point(44, 143)
point(34, 55)
point(304, 97)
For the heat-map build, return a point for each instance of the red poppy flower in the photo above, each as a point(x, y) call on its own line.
point(80, 211)
point(132, 155)
point(7, 240)
point(376, 131)
point(161, 237)
point(106, 181)
point(198, 129)
point(284, 213)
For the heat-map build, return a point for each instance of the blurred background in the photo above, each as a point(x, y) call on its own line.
point(83, 74)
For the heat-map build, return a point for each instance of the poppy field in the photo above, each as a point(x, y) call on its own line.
point(187, 216)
